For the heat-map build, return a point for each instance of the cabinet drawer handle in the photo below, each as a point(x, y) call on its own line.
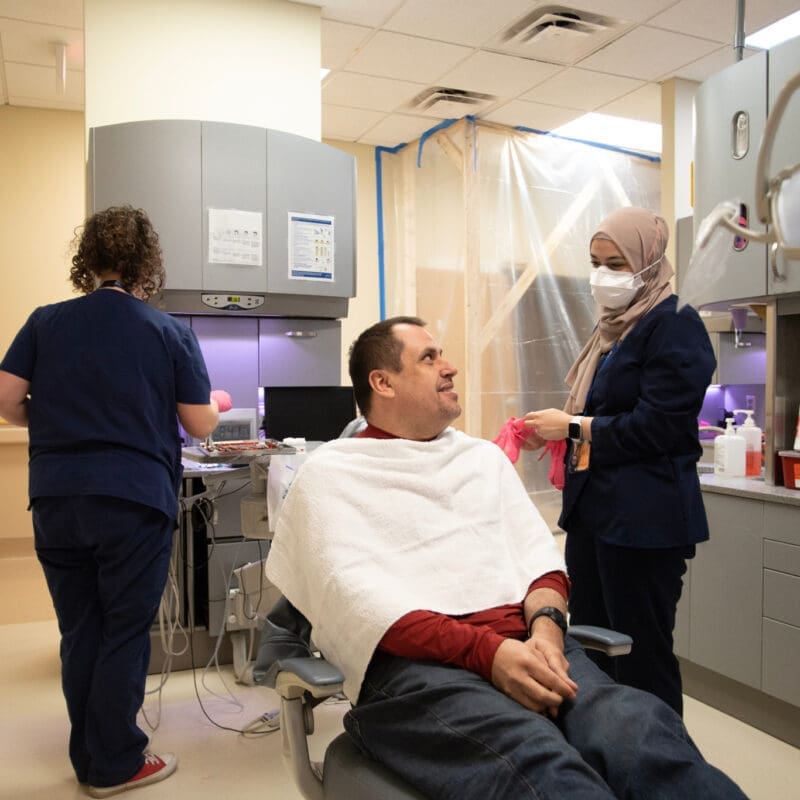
point(301, 334)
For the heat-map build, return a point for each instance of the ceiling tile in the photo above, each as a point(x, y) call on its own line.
point(500, 75)
point(339, 42)
point(395, 55)
point(760, 13)
point(709, 65)
point(35, 44)
point(339, 122)
point(643, 104)
point(469, 22)
point(366, 91)
point(629, 10)
point(36, 86)
point(362, 12)
point(532, 115)
point(66, 13)
point(647, 53)
point(397, 129)
point(579, 88)
point(716, 21)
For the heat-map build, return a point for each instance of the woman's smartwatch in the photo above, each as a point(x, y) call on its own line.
point(574, 430)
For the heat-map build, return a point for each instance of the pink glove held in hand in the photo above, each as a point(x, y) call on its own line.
point(511, 437)
point(224, 402)
point(557, 450)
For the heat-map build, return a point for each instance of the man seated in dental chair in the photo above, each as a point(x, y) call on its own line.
point(433, 583)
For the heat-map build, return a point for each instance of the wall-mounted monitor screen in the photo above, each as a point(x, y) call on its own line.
point(316, 413)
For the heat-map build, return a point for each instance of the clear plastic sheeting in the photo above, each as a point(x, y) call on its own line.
point(488, 241)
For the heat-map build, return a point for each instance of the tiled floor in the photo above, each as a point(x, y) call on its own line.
point(224, 765)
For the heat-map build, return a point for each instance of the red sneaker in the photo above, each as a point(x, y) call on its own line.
point(155, 769)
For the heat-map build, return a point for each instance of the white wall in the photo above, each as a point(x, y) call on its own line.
point(252, 62)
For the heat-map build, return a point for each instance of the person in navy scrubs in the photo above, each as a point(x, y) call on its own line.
point(632, 506)
point(101, 382)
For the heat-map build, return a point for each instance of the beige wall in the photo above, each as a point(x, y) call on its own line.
point(252, 62)
point(42, 175)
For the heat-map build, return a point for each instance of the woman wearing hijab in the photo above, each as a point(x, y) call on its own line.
point(632, 506)
point(101, 381)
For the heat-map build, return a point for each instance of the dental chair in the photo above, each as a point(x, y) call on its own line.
point(286, 662)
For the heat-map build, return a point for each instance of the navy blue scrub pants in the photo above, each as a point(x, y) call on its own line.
point(106, 561)
point(633, 590)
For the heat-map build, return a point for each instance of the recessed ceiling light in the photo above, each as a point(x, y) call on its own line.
point(631, 134)
point(780, 31)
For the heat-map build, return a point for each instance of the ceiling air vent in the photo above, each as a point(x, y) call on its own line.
point(442, 101)
point(559, 34)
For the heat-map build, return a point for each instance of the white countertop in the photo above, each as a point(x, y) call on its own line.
point(752, 488)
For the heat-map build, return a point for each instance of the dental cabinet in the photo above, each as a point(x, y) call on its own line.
point(731, 109)
point(737, 631)
point(252, 221)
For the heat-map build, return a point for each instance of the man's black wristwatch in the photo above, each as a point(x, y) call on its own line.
point(554, 614)
point(574, 429)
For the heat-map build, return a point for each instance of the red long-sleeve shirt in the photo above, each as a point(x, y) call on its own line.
point(469, 640)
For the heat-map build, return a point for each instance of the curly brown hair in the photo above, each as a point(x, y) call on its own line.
point(122, 239)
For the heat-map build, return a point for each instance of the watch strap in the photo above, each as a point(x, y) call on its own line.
point(553, 613)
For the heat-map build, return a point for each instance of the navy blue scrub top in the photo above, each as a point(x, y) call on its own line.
point(106, 371)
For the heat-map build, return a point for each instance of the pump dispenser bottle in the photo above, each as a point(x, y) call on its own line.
point(752, 438)
point(729, 453)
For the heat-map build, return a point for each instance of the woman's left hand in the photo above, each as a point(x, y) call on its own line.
point(550, 423)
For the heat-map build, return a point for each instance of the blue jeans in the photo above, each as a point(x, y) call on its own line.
point(451, 734)
point(105, 561)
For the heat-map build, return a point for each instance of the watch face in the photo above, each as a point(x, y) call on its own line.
point(575, 430)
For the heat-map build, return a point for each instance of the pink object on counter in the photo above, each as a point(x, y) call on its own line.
point(224, 402)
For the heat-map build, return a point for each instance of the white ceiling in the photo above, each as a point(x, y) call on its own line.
point(385, 53)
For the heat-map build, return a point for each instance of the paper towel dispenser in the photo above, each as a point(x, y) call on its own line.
point(252, 221)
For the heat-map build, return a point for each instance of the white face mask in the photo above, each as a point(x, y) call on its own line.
point(615, 289)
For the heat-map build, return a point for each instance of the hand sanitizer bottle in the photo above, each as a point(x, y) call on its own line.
point(752, 438)
point(729, 453)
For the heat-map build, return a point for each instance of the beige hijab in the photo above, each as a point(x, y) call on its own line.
point(641, 236)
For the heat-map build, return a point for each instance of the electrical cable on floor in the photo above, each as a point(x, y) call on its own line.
point(265, 723)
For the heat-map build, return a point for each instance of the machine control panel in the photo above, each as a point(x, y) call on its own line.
point(233, 302)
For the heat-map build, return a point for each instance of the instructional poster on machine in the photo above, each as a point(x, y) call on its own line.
point(235, 237)
point(310, 247)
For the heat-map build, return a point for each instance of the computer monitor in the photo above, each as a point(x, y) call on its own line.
point(316, 413)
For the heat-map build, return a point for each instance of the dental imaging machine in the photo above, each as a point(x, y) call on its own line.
point(257, 228)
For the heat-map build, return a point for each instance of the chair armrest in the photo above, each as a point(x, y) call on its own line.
point(609, 642)
point(313, 675)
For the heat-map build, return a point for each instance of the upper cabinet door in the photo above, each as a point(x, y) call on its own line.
point(154, 166)
point(731, 109)
point(311, 227)
point(784, 62)
point(234, 208)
